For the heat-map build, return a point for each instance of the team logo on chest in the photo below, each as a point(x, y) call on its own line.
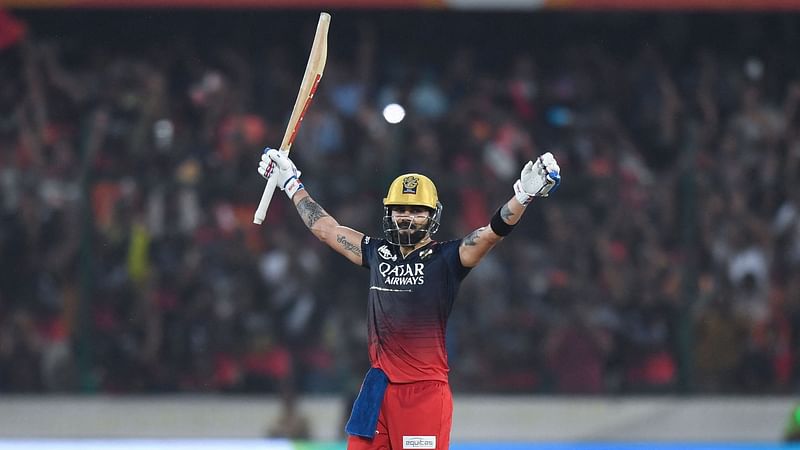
point(385, 253)
point(425, 254)
point(402, 274)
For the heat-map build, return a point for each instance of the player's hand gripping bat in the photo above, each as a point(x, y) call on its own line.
point(314, 68)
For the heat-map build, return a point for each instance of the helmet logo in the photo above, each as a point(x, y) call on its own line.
point(410, 185)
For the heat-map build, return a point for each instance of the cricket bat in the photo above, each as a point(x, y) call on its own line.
point(313, 73)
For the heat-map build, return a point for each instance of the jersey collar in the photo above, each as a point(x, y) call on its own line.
point(413, 252)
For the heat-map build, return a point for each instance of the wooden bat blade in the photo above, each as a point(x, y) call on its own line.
point(311, 77)
point(308, 87)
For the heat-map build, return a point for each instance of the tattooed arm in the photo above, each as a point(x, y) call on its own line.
point(537, 179)
point(478, 243)
point(342, 239)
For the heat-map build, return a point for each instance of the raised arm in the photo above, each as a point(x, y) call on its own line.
point(344, 240)
point(537, 179)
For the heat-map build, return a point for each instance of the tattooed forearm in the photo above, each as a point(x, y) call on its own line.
point(505, 213)
point(310, 211)
point(347, 245)
point(473, 237)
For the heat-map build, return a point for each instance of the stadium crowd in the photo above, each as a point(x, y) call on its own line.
point(667, 262)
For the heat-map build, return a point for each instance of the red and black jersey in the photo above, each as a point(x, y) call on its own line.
point(410, 300)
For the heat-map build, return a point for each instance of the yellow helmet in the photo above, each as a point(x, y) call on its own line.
point(411, 189)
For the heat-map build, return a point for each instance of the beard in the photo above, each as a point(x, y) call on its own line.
point(409, 238)
point(409, 234)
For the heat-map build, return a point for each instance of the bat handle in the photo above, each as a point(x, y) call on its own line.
point(266, 197)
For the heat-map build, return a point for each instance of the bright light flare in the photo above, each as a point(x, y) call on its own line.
point(394, 113)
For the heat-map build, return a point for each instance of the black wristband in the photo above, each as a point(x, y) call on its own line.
point(499, 226)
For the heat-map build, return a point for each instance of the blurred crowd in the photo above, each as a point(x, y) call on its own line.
point(667, 262)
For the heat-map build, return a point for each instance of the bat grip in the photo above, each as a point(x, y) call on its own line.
point(266, 198)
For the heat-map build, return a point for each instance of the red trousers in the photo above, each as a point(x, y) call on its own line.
point(413, 416)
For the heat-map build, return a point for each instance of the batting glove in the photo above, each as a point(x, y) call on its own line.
point(275, 163)
point(538, 179)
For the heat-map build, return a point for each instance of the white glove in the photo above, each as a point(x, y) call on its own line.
point(275, 163)
point(538, 179)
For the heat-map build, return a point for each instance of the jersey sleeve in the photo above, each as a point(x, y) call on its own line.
point(368, 251)
point(450, 252)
